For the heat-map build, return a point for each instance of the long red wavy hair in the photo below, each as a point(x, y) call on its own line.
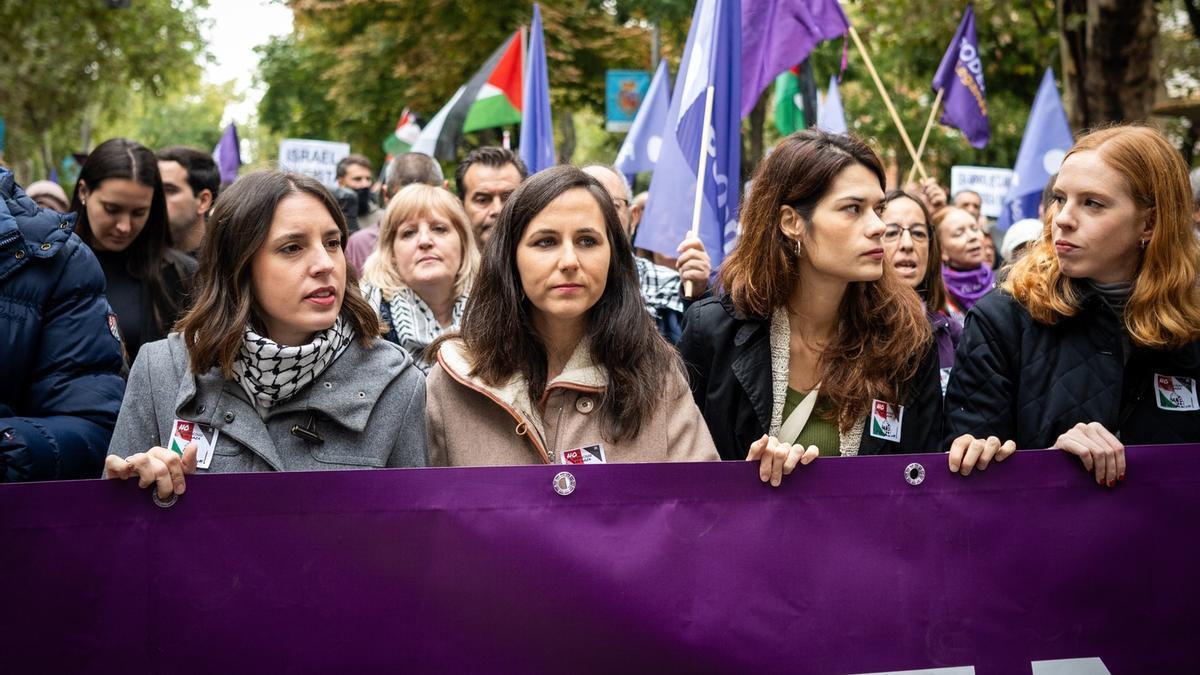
point(1163, 311)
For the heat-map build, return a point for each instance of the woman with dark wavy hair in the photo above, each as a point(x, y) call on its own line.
point(815, 347)
point(122, 216)
point(558, 361)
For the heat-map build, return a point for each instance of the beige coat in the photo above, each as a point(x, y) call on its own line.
point(473, 424)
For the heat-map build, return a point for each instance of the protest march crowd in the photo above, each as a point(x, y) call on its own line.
point(156, 323)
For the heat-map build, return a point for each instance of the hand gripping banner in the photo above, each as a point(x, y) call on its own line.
point(857, 565)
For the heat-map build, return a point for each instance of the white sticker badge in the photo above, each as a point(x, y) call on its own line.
point(205, 437)
point(886, 419)
point(592, 454)
point(1175, 393)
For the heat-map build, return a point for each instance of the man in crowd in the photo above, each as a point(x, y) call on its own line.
point(191, 182)
point(60, 378)
point(353, 179)
point(405, 169)
point(484, 180)
point(662, 287)
point(969, 201)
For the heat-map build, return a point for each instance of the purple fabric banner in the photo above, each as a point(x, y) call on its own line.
point(672, 568)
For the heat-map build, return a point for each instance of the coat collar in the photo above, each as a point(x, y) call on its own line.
point(581, 373)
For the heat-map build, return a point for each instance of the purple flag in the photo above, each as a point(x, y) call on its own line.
point(537, 129)
point(960, 76)
point(854, 565)
point(227, 155)
point(778, 34)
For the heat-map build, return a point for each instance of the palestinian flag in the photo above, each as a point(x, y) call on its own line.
point(404, 136)
point(492, 98)
point(795, 99)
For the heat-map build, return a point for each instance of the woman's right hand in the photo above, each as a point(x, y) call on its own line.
point(776, 460)
point(968, 453)
point(1099, 450)
point(157, 466)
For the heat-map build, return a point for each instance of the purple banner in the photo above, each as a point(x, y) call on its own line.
point(857, 565)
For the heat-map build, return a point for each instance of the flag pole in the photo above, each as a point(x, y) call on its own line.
point(937, 103)
point(701, 169)
point(887, 100)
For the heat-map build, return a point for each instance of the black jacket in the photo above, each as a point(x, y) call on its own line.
point(728, 358)
point(1018, 379)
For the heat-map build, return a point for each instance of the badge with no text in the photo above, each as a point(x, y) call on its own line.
point(886, 419)
point(1175, 393)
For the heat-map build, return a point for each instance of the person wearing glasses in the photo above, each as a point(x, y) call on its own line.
point(965, 271)
point(813, 346)
point(909, 246)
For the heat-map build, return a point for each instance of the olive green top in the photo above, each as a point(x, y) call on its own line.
point(820, 430)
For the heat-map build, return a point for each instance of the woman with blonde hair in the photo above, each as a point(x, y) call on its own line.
point(815, 348)
point(1092, 343)
point(420, 274)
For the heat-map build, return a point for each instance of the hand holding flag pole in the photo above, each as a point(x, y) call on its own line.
point(887, 101)
point(698, 204)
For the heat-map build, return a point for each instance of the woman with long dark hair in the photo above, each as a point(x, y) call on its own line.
point(122, 216)
point(814, 347)
point(1093, 341)
point(912, 248)
point(276, 367)
point(558, 361)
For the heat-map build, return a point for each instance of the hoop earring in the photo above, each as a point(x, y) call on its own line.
point(1144, 242)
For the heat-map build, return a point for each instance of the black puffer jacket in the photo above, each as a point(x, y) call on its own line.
point(728, 358)
point(1018, 379)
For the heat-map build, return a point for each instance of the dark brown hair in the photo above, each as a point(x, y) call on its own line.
point(883, 333)
point(498, 330)
point(931, 289)
point(148, 254)
point(224, 304)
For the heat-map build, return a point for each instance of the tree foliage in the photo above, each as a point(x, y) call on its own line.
point(66, 64)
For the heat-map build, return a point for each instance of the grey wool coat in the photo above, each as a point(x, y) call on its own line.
point(367, 407)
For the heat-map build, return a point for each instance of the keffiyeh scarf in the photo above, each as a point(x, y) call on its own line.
point(272, 373)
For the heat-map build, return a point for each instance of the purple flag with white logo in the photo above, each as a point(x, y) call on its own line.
point(778, 34)
point(228, 155)
point(960, 76)
point(712, 58)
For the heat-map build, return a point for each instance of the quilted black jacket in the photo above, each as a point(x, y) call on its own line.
point(728, 358)
point(1021, 380)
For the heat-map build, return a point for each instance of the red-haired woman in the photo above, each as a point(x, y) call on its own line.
point(1092, 344)
point(815, 347)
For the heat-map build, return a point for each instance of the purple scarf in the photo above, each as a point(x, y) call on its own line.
point(967, 287)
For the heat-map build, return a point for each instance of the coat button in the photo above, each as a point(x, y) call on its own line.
point(20, 254)
point(584, 404)
point(229, 417)
point(62, 225)
point(45, 247)
point(201, 409)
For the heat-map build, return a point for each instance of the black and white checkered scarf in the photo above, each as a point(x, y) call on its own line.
point(272, 373)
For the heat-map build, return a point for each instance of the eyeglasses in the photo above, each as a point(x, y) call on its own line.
point(919, 233)
point(620, 203)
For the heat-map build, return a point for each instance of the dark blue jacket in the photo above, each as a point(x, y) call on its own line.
point(60, 361)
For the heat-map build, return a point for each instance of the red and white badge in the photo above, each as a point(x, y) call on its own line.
point(591, 454)
point(886, 419)
point(205, 437)
point(1175, 393)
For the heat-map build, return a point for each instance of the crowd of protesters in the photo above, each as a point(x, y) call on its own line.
point(157, 325)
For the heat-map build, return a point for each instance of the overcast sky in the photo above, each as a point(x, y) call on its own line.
point(236, 28)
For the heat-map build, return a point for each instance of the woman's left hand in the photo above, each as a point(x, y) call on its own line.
point(694, 265)
point(776, 460)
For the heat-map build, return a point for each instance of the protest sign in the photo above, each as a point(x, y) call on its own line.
point(317, 159)
point(853, 565)
point(992, 185)
point(624, 91)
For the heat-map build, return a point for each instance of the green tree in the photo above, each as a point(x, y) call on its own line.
point(188, 116)
point(64, 64)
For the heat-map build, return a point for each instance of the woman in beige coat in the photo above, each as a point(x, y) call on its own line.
point(558, 361)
